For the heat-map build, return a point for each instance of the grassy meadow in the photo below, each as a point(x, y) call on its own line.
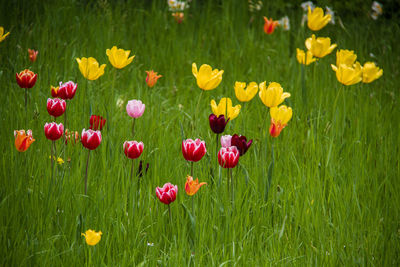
point(333, 198)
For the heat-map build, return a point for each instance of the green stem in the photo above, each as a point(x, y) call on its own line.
point(26, 107)
point(169, 211)
point(132, 168)
point(86, 173)
point(191, 168)
point(232, 189)
point(303, 84)
point(133, 127)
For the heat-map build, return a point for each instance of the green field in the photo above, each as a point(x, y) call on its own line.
point(334, 196)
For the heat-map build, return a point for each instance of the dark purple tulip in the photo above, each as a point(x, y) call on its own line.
point(217, 124)
point(241, 143)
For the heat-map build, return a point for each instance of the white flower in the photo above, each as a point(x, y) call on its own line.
point(285, 23)
point(307, 4)
point(377, 8)
point(332, 13)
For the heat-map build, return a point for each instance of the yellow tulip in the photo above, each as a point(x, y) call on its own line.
point(119, 58)
point(371, 72)
point(316, 19)
point(305, 58)
point(92, 237)
point(2, 35)
point(348, 75)
point(280, 116)
point(225, 105)
point(344, 56)
point(320, 46)
point(245, 95)
point(273, 95)
point(90, 69)
point(207, 78)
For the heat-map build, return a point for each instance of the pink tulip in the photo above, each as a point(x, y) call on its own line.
point(135, 108)
point(53, 131)
point(167, 193)
point(193, 150)
point(133, 149)
point(228, 157)
point(67, 90)
point(226, 140)
point(56, 107)
point(90, 139)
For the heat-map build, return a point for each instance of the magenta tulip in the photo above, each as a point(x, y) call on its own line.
point(56, 107)
point(53, 131)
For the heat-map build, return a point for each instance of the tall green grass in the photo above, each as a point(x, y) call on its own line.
point(334, 194)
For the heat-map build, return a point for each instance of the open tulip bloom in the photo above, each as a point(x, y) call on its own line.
point(206, 77)
point(90, 68)
point(92, 237)
point(243, 93)
point(269, 25)
point(272, 95)
point(319, 47)
point(316, 19)
point(225, 108)
point(23, 140)
point(119, 58)
point(56, 107)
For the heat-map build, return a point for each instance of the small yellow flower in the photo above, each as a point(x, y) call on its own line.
point(207, 78)
point(89, 68)
point(92, 237)
point(305, 58)
point(273, 95)
point(2, 35)
point(371, 72)
point(320, 46)
point(245, 95)
point(119, 58)
point(344, 56)
point(348, 75)
point(58, 160)
point(224, 105)
point(316, 19)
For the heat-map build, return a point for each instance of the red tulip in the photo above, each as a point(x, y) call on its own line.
point(193, 150)
point(54, 91)
point(97, 122)
point(133, 149)
point(56, 107)
point(217, 124)
point(53, 131)
point(228, 157)
point(26, 79)
point(67, 90)
point(167, 193)
point(241, 143)
point(269, 26)
point(90, 139)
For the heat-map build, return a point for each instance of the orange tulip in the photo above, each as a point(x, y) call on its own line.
point(23, 140)
point(269, 25)
point(179, 17)
point(32, 54)
point(191, 187)
point(152, 78)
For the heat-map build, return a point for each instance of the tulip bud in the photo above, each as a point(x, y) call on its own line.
point(167, 193)
point(67, 90)
point(217, 124)
point(26, 79)
point(133, 149)
point(135, 108)
point(228, 157)
point(53, 131)
point(152, 78)
point(90, 139)
point(226, 140)
point(56, 107)
point(193, 150)
point(32, 54)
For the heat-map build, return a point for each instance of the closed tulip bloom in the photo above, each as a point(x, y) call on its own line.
point(67, 90)
point(269, 25)
point(316, 19)
point(228, 157)
point(118, 57)
point(167, 194)
point(217, 124)
point(371, 72)
point(90, 139)
point(54, 91)
point(133, 149)
point(346, 57)
point(193, 150)
point(71, 137)
point(97, 122)
point(53, 131)
point(241, 143)
point(305, 58)
point(92, 237)
point(207, 78)
point(135, 108)
point(26, 79)
point(280, 116)
point(348, 75)
point(320, 46)
point(192, 186)
point(2, 35)
point(152, 78)
point(23, 140)
point(272, 95)
point(89, 68)
point(225, 108)
point(245, 95)
point(56, 107)
point(178, 16)
point(226, 140)
point(32, 54)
